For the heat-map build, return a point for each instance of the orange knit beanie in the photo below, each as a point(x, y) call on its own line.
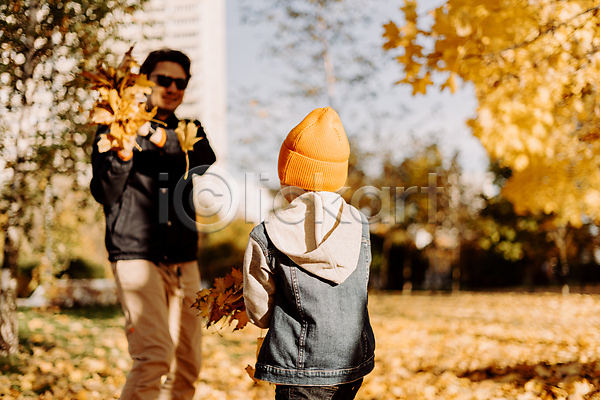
point(314, 155)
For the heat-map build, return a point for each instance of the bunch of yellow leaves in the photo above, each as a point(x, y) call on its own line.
point(224, 301)
point(186, 133)
point(121, 104)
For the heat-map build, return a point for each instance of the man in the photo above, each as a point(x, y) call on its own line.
point(153, 251)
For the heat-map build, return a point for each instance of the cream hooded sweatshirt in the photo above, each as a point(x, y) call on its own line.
point(319, 232)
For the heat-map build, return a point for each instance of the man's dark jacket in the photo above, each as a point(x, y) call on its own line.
point(138, 197)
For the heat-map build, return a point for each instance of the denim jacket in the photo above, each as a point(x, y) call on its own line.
point(319, 331)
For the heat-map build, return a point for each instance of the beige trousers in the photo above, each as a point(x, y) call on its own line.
point(162, 329)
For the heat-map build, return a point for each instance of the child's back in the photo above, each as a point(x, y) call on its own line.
point(306, 272)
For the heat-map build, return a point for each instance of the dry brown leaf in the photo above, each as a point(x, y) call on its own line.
point(224, 301)
point(259, 342)
point(250, 370)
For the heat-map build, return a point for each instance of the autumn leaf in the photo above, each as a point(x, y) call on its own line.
point(128, 61)
point(241, 317)
point(121, 104)
point(410, 10)
point(259, 342)
point(392, 34)
point(104, 144)
point(238, 277)
point(250, 371)
point(186, 133)
point(101, 115)
point(224, 302)
point(420, 84)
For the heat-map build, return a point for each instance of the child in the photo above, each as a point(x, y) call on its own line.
point(306, 271)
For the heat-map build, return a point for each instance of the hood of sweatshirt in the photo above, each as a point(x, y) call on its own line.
point(321, 233)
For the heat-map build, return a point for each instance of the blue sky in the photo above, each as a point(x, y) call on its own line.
point(436, 117)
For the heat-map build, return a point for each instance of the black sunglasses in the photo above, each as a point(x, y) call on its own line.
point(166, 81)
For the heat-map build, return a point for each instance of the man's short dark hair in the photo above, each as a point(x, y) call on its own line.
point(157, 56)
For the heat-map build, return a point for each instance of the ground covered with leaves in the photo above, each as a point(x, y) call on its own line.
point(464, 346)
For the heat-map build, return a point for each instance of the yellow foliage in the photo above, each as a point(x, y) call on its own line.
point(565, 186)
point(186, 133)
point(121, 104)
point(535, 67)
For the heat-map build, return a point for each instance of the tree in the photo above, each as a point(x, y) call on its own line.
point(412, 209)
point(316, 35)
point(45, 44)
point(421, 197)
point(499, 230)
point(535, 67)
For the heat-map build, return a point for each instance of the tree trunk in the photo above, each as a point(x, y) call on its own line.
point(456, 267)
point(407, 286)
point(9, 334)
point(45, 268)
point(327, 58)
point(562, 236)
point(384, 272)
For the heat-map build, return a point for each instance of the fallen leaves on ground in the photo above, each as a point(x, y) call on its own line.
point(464, 346)
point(70, 355)
point(485, 346)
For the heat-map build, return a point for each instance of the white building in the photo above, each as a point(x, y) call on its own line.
point(196, 27)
